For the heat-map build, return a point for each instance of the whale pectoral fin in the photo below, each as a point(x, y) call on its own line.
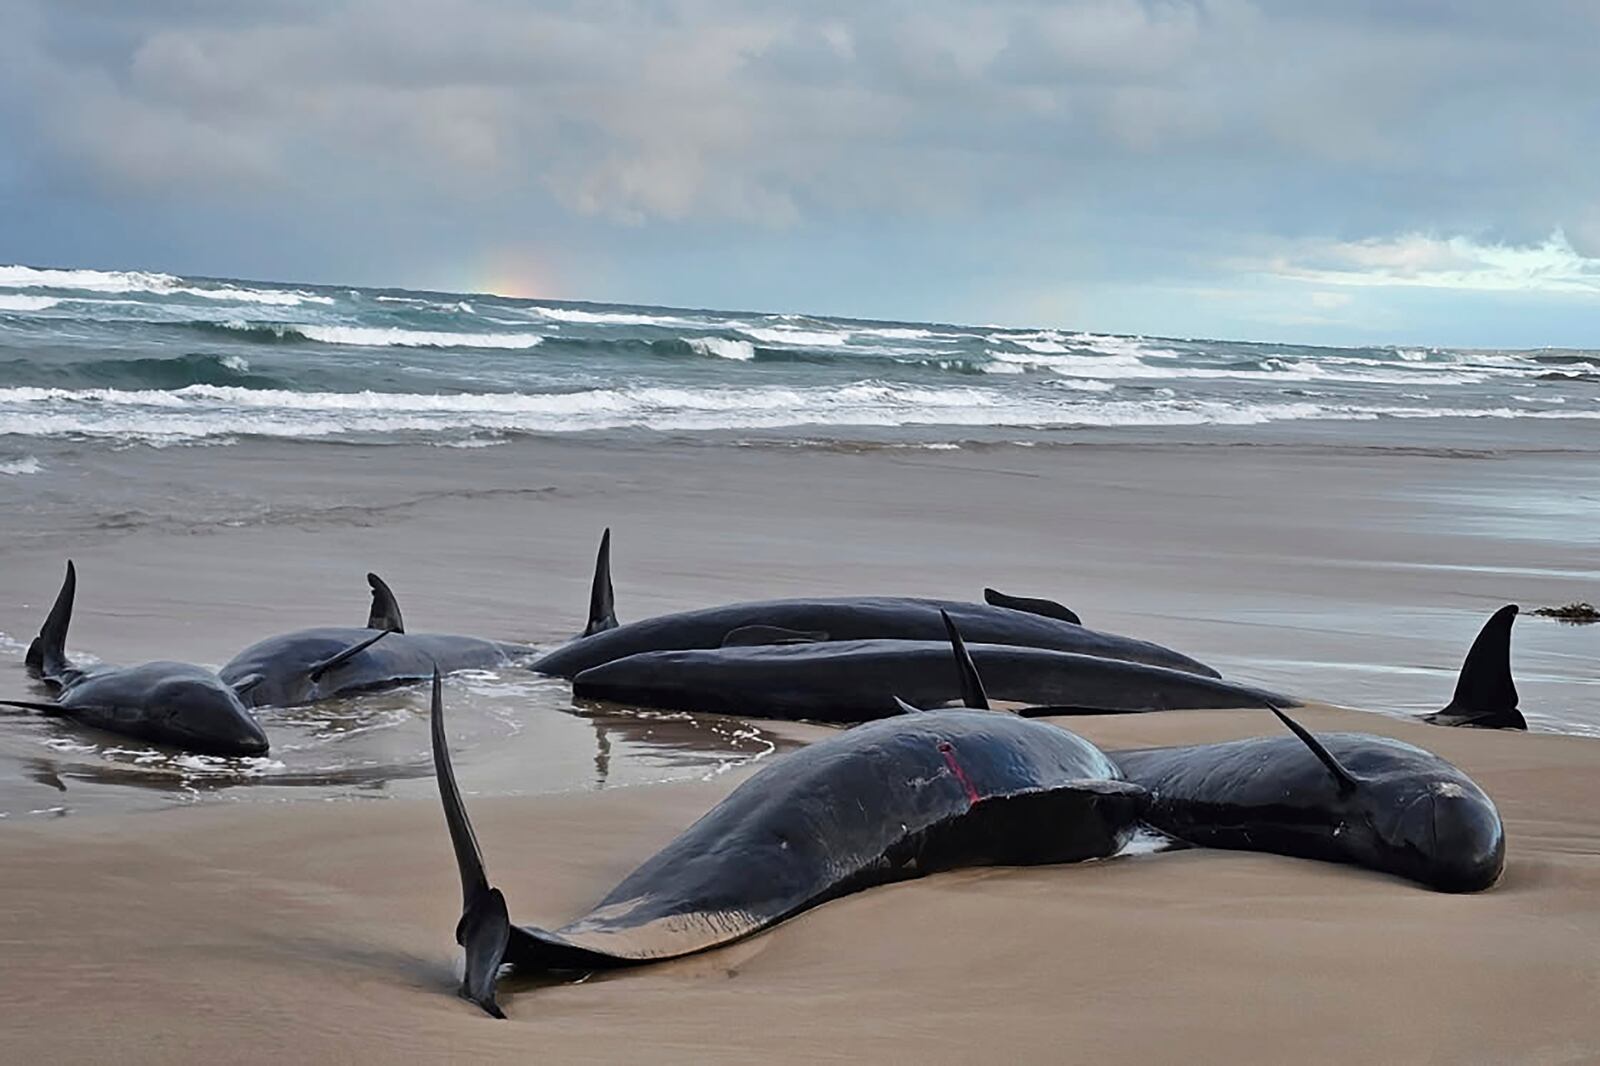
point(905, 708)
point(1066, 711)
point(1347, 781)
point(972, 693)
point(385, 613)
point(52, 709)
point(1032, 605)
point(246, 683)
point(752, 636)
point(319, 669)
point(1486, 696)
point(602, 598)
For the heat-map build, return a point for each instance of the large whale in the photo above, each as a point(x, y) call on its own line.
point(317, 664)
point(176, 704)
point(1341, 797)
point(883, 802)
point(859, 680)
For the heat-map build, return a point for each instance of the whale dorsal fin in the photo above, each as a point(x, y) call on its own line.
point(602, 600)
point(1047, 608)
point(1485, 693)
point(319, 669)
point(485, 925)
point(385, 612)
point(972, 694)
point(747, 636)
point(47, 655)
point(1347, 781)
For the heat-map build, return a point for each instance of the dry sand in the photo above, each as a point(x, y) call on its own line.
point(321, 931)
point(324, 935)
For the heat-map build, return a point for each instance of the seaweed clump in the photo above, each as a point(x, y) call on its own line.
point(1576, 613)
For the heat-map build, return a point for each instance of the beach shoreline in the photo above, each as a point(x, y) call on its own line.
point(1365, 592)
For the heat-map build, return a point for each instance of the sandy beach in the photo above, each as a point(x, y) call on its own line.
point(161, 920)
point(324, 933)
point(1264, 339)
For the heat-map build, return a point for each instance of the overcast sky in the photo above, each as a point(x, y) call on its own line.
point(1367, 170)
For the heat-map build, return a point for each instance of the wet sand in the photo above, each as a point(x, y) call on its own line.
point(252, 929)
point(323, 933)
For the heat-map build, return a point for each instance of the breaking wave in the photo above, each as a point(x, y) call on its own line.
point(379, 337)
point(144, 356)
point(139, 281)
point(210, 411)
point(19, 302)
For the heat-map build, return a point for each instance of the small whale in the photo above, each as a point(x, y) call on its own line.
point(309, 665)
point(859, 680)
point(1011, 620)
point(1341, 797)
point(176, 704)
point(890, 800)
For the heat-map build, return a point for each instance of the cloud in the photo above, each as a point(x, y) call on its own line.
point(755, 112)
point(1551, 266)
point(924, 155)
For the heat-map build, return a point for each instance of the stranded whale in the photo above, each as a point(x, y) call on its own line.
point(176, 704)
point(854, 618)
point(883, 802)
point(859, 680)
point(317, 664)
point(1003, 619)
point(1341, 797)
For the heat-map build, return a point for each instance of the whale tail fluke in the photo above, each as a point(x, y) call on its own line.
point(385, 613)
point(602, 599)
point(47, 655)
point(485, 926)
point(1486, 696)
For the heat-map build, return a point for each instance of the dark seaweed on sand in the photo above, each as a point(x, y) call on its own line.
point(1575, 613)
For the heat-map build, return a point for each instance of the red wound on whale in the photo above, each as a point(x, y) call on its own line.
point(949, 754)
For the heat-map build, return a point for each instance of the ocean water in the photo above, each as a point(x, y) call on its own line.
point(115, 387)
point(120, 358)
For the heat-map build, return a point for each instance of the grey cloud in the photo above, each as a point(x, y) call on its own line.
point(755, 112)
point(1160, 131)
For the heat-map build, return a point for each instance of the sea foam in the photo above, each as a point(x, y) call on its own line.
point(723, 348)
point(18, 302)
point(128, 281)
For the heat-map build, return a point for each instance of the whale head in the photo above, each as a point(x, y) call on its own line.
point(196, 711)
point(1421, 818)
point(1439, 830)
